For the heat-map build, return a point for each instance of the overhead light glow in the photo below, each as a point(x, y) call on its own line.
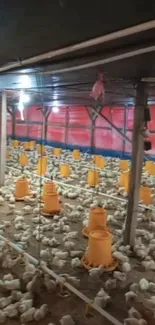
point(25, 81)
point(55, 109)
point(23, 98)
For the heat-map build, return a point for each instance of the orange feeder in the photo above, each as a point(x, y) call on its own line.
point(42, 166)
point(48, 187)
point(150, 167)
point(23, 160)
point(22, 189)
point(16, 143)
point(41, 149)
point(27, 146)
point(8, 155)
point(57, 152)
point(76, 154)
point(145, 195)
point(96, 158)
point(99, 251)
point(65, 170)
point(32, 145)
point(124, 165)
point(124, 180)
point(93, 178)
point(97, 221)
point(100, 162)
point(51, 204)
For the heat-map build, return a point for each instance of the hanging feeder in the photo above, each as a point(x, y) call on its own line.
point(97, 221)
point(51, 204)
point(99, 251)
point(22, 189)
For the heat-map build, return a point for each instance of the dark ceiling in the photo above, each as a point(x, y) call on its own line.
point(31, 28)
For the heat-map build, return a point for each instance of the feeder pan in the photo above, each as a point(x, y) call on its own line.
point(51, 205)
point(76, 154)
point(41, 149)
point(42, 166)
point(27, 146)
point(97, 221)
point(145, 195)
point(23, 160)
point(32, 145)
point(100, 162)
point(65, 170)
point(22, 189)
point(124, 165)
point(57, 152)
point(93, 178)
point(99, 251)
point(16, 143)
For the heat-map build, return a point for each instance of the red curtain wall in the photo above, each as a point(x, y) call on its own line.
point(78, 130)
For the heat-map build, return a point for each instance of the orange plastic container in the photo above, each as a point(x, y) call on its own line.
point(93, 178)
point(27, 146)
point(41, 149)
point(23, 160)
point(124, 180)
point(97, 221)
point(100, 162)
point(48, 187)
point(57, 152)
point(22, 189)
point(16, 143)
point(51, 204)
point(42, 166)
point(150, 167)
point(145, 195)
point(99, 251)
point(65, 170)
point(76, 154)
point(124, 165)
point(32, 145)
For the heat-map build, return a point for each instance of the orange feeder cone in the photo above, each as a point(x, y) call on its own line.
point(48, 187)
point(97, 221)
point(23, 160)
point(124, 165)
point(51, 204)
point(16, 143)
point(124, 180)
point(32, 145)
point(65, 170)
point(150, 167)
point(76, 154)
point(100, 162)
point(145, 195)
point(99, 251)
point(93, 178)
point(42, 166)
point(57, 152)
point(22, 189)
point(27, 146)
point(96, 158)
point(41, 149)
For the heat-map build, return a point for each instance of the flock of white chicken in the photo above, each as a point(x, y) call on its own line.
point(59, 238)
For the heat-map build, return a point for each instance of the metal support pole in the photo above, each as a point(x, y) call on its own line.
point(93, 116)
point(136, 165)
point(3, 140)
point(66, 126)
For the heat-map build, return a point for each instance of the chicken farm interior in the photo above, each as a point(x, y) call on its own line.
point(77, 164)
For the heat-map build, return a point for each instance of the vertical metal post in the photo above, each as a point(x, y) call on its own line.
point(66, 126)
point(3, 139)
point(136, 165)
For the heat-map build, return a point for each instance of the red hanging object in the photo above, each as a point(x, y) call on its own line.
point(98, 88)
